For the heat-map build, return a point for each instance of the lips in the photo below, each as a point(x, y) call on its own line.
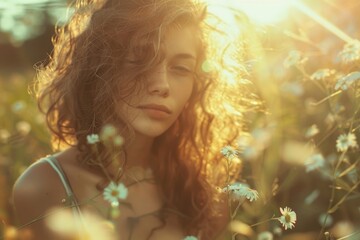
point(157, 107)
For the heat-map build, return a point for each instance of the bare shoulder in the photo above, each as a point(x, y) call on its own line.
point(37, 190)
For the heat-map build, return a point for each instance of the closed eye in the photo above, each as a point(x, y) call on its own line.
point(182, 69)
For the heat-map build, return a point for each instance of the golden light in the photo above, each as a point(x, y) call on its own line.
point(224, 55)
point(226, 15)
point(323, 22)
point(260, 11)
point(269, 12)
point(225, 18)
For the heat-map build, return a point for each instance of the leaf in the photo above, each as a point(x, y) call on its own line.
point(342, 200)
point(353, 76)
point(345, 81)
point(343, 185)
point(346, 171)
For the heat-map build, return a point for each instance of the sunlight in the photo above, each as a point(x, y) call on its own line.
point(323, 22)
point(260, 11)
point(226, 16)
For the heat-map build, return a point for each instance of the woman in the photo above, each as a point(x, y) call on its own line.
point(135, 65)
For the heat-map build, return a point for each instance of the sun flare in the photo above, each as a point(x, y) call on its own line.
point(260, 11)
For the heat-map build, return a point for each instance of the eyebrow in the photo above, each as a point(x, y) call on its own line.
point(184, 56)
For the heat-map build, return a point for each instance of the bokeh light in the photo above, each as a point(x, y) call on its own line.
point(22, 20)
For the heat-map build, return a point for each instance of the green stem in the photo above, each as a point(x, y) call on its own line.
point(344, 198)
point(267, 220)
point(326, 98)
point(332, 197)
point(236, 209)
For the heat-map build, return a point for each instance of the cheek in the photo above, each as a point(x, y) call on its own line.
point(125, 111)
point(182, 100)
point(186, 92)
point(190, 92)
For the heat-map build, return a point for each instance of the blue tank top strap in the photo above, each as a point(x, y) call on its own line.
point(58, 169)
point(71, 199)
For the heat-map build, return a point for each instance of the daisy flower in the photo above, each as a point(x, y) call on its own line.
point(346, 81)
point(266, 235)
point(350, 52)
point(321, 74)
point(190, 238)
point(113, 192)
point(345, 141)
point(229, 152)
point(294, 58)
point(241, 190)
point(314, 162)
point(110, 134)
point(92, 138)
point(312, 131)
point(288, 218)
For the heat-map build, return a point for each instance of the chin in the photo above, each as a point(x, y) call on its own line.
point(151, 132)
point(155, 134)
point(151, 129)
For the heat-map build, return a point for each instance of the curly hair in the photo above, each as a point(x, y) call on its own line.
point(78, 91)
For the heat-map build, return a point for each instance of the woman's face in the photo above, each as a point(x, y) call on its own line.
point(167, 88)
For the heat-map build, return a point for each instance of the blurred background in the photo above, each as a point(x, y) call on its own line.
point(295, 52)
point(26, 28)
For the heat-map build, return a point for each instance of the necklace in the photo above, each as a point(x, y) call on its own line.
point(135, 175)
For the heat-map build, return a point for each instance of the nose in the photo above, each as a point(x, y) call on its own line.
point(158, 82)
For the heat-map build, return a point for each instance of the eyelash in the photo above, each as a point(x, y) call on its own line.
point(178, 69)
point(182, 69)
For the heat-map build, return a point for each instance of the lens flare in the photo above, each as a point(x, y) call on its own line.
point(260, 11)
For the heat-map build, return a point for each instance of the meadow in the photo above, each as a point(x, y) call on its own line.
point(300, 175)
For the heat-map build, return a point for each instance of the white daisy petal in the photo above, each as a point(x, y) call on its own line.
point(123, 191)
point(288, 218)
point(229, 152)
point(190, 238)
point(113, 192)
point(239, 191)
point(92, 138)
point(346, 141)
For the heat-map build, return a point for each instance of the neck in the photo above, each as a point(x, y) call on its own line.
point(138, 154)
point(139, 151)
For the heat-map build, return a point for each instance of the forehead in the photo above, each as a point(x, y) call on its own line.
point(180, 40)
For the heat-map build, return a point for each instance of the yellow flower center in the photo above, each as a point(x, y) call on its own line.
point(287, 218)
point(114, 193)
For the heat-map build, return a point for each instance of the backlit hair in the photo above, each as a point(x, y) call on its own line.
point(79, 88)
